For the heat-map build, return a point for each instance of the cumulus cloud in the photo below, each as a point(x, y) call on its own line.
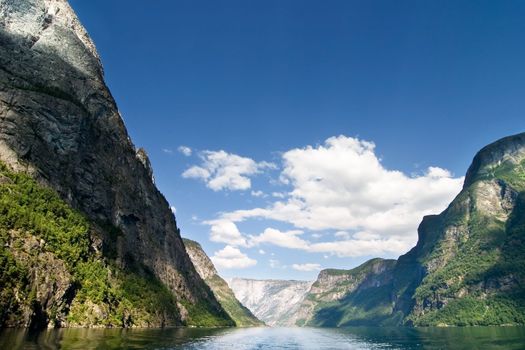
point(167, 151)
point(361, 247)
point(225, 171)
point(185, 150)
point(173, 209)
point(342, 186)
point(258, 194)
point(285, 239)
point(226, 231)
point(306, 267)
point(232, 258)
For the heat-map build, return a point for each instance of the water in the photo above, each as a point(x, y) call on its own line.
point(507, 338)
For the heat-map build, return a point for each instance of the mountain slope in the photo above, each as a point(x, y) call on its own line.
point(348, 297)
point(273, 301)
point(473, 254)
point(468, 267)
point(240, 314)
point(60, 124)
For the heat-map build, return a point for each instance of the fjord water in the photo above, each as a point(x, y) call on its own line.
point(269, 338)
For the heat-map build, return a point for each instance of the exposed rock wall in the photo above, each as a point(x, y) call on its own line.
point(59, 122)
point(204, 266)
point(468, 267)
point(273, 301)
point(335, 298)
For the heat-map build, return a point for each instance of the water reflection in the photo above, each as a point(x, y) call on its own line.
point(269, 338)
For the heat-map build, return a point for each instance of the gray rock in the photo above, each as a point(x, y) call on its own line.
point(59, 122)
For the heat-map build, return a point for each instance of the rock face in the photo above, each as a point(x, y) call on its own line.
point(239, 313)
point(273, 301)
point(347, 297)
point(469, 262)
point(468, 267)
point(60, 124)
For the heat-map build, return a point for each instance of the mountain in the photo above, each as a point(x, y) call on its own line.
point(273, 301)
point(86, 239)
point(349, 297)
point(468, 267)
point(240, 314)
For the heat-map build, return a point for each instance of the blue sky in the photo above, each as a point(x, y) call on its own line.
point(358, 116)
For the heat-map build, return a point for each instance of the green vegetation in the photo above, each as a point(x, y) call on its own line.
point(471, 311)
point(363, 307)
point(483, 283)
point(512, 174)
point(200, 315)
point(467, 269)
point(365, 301)
point(236, 311)
point(38, 230)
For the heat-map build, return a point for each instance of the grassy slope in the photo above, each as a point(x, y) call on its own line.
point(238, 312)
point(365, 305)
point(494, 251)
point(104, 294)
point(470, 289)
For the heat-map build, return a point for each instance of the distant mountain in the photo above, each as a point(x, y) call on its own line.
point(239, 313)
point(273, 301)
point(468, 267)
point(86, 238)
point(352, 297)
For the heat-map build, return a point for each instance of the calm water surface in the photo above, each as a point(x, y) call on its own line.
point(507, 338)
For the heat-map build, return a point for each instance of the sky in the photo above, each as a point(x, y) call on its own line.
point(291, 136)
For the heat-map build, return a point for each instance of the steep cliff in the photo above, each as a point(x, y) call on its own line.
point(348, 297)
point(273, 301)
point(60, 125)
point(471, 257)
point(238, 312)
point(468, 267)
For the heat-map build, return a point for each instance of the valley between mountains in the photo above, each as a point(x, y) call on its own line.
point(88, 240)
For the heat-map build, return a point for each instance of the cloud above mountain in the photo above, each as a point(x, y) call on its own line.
point(225, 171)
point(340, 186)
point(232, 258)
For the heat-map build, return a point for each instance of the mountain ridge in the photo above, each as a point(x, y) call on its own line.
point(467, 266)
point(204, 266)
point(60, 125)
point(272, 301)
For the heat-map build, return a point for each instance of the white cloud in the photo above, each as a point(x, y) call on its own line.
point(258, 194)
point(286, 239)
point(278, 195)
point(343, 186)
point(185, 150)
point(360, 244)
point(196, 172)
point(306, 267)
point(173, 209)
point(232, 258)
point(342, 235)
point(225, 231)
point(276, 264)
point(262, 252)
point(167, 150)
point(221, 170)
point(356, 247)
